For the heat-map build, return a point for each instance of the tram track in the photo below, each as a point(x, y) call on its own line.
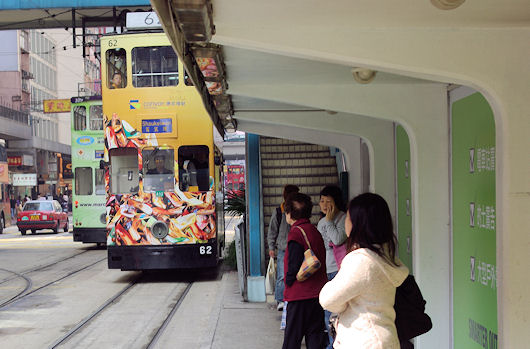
point(29, 283)
point(164, 325)
point(110, 303)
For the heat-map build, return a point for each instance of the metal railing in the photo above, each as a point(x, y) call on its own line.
point(14, 115)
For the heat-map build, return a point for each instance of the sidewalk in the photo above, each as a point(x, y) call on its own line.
point(242, 324)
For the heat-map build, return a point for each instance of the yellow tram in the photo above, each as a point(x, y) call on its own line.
point(163, 168)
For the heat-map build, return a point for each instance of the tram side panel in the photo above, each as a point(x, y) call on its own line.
point(88, 196)
point(159, 150)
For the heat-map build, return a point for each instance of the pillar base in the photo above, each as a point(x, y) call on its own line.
point(256, 288)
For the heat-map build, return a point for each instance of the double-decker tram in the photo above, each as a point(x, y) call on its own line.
point(88, 196)
point(163, 169)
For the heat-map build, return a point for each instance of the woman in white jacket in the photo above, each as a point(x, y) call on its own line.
point(363, 291)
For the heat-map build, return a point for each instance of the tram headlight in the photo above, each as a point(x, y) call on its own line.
point(103, 218)
point(158, 228)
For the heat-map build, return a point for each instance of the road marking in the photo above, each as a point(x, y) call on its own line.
point(36, 238)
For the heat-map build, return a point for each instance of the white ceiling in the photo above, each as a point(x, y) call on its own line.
point(272, 44)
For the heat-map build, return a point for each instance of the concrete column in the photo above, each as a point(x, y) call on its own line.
point(255, 281)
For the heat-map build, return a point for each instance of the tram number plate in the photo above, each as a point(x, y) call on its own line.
point(205, 250)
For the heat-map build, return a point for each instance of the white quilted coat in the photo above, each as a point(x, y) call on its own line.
point(363, 294)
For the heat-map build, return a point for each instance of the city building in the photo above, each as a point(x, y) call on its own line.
point(36, 66)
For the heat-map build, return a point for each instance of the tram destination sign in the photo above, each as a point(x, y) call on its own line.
point(157, 126)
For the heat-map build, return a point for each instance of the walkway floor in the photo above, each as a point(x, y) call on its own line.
point(242, 324)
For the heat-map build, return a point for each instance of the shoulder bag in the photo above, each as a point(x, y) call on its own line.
point(310, 264)
point(411, 319)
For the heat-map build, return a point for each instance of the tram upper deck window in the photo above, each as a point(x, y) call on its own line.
point(79, 118)
point(194, 168)
point(100, 181)
point(116, 68)
point(83, 181)
point(158, 169)
point(123, 170)
point(154, 66)
point(96, 117)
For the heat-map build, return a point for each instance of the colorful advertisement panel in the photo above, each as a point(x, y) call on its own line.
point(474, 229)
point(4, 173)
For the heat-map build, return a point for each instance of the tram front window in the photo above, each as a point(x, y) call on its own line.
point(154, 66)
point(96, 117)
point(158, 169)
point(123, 170)
point(100, 181)
point(83, 181)
point(116, 68)
point(79, 118)
point(194, 168)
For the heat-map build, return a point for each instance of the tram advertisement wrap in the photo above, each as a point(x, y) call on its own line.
point(189, 216)
point(474, 229)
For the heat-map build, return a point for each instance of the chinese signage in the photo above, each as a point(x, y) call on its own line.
point(67, 167)
point(404, 221)
point(56, 105)
point(157, 126)
point(24, 179)
point(475, 272)
point(14, 160)
point(26, 160)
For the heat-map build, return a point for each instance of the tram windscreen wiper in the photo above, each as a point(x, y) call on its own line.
point(151, 156)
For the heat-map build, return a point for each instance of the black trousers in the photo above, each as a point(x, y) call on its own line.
point(305, 318)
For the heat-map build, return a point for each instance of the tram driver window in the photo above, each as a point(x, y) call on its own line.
point(100, 181)
point(194, 168)
point(155, 66)
point(116, 68)
point(83, 181)
point(123, 170)
point(158, 169)
point(96, 117)
point(79, 118)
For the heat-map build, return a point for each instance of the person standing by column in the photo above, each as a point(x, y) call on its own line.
point(364, 289)
point(277, 240)
point(305, 316)
point(331, 227)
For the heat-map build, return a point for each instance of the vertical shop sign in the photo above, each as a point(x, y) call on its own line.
point(474, 215)
point(404, 209)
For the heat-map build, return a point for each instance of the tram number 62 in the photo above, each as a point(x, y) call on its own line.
point(204, 250)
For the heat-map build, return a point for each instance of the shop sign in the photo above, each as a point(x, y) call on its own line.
point(67, 167)
point(24, 179)
point(27, 160)
point(14, 160)
point(56, 105)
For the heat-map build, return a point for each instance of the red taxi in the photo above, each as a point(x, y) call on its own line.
point(42, 214)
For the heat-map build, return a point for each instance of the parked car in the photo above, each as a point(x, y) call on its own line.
point(42, 214)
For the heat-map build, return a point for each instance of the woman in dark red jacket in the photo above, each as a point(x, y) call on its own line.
point(305, 316)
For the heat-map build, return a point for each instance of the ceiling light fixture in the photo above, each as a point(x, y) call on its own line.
point(363, 75)
point(447, 4)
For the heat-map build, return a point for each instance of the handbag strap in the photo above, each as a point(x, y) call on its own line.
point(305, 236)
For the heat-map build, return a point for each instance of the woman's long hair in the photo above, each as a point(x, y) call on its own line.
point(372, 226)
